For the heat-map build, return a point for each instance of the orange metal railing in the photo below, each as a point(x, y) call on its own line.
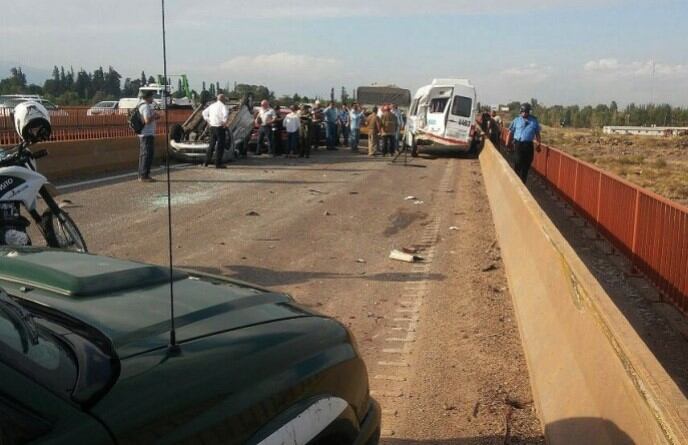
point(651, 230)
point(75, 123)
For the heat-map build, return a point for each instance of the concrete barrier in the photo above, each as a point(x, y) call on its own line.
point(593, 379)
point(92, 157)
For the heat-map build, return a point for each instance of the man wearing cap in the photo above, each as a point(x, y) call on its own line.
point(147, 136)
point(264, 119)
point(216, 116)
point(523, 131)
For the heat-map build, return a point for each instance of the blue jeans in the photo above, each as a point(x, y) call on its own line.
point(354, 138)
point(292, 142)
point(146, 153)
point(331, 134)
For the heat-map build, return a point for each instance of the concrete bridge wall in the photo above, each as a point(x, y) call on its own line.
point(594, 380)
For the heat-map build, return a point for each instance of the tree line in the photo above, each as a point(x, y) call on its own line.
point(600, 115)
point(70, 87)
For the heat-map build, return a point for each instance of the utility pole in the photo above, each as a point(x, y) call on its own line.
point(652, 83)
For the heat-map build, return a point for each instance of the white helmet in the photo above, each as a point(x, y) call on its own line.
point(32, 121)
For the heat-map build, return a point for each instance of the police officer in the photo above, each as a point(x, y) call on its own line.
point(523, 130)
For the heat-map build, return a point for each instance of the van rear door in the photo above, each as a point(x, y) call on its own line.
point(459, 118)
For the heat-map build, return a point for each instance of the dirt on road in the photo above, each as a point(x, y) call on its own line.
point(439, 336)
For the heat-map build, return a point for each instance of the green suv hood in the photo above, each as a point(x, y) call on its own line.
point(129, 302)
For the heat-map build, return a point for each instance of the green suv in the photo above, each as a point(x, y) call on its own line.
point(84, 359)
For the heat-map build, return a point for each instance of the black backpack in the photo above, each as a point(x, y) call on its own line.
point(135, 120)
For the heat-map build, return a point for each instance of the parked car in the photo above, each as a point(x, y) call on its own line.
point(9, 101)
point(103, 107)
point(85, 358)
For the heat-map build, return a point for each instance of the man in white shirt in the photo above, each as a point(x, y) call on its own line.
point(264, 118)
point(147, 136)
point(216, 116)
point(291, 123)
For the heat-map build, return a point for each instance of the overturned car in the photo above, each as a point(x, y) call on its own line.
point(189, 141)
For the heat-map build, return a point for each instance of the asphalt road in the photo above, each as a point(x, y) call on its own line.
point(439, 336)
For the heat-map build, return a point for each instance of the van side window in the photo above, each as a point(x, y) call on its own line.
point(461, 106)
point(438, 104)
point(414, 107)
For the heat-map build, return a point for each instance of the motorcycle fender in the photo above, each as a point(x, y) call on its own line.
point(51, 189)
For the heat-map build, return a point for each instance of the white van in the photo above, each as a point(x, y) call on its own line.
point(443, 114)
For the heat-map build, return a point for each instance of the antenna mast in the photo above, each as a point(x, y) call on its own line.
point(173, 347)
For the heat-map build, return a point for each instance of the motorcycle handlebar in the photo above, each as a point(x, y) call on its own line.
point(39, 154)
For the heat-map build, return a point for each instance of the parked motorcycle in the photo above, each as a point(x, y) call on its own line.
point(21, 185)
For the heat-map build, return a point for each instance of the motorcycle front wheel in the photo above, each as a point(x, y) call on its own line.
point(61, 232)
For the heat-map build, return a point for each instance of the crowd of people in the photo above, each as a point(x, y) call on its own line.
point(303, 128)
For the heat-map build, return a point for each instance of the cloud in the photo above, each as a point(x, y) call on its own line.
point(283, 62)
point(611, 68)
point(282, 71)
point(308, 9)
point(532, 73)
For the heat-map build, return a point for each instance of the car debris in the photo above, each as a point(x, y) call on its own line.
point(398, 255)
point(489, 267)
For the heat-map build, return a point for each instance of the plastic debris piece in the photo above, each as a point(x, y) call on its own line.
point(252, 213)
point(360, 260)
point(410, 198)
point(406, 257)
point(453, 228)
point(418, 202)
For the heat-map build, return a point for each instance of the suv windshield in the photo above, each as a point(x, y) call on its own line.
point(30, 348)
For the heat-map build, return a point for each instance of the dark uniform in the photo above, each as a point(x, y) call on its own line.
point(318, 118)
point(305, 134)
point(277, 131)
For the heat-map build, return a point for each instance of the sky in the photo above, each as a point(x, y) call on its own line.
point(558, 51)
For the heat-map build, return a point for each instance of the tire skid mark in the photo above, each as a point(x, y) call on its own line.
point(390, 382)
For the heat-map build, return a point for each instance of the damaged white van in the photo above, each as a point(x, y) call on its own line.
point(443, 114)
